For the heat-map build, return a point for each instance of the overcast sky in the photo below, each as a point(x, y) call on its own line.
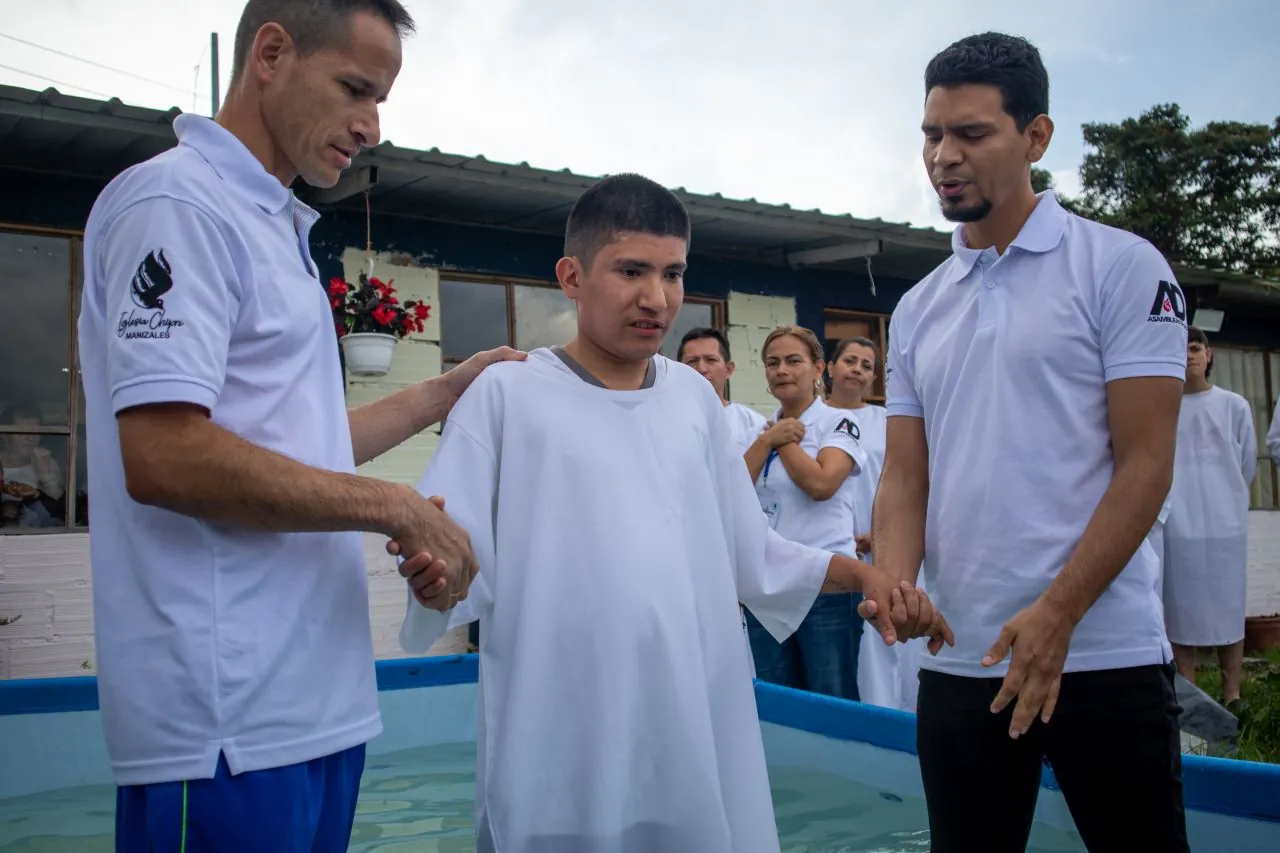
point(811, 102)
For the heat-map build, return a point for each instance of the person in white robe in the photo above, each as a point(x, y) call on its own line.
point(887, 675)
point(706, 350)
point(1206, 535)
point(617, 529)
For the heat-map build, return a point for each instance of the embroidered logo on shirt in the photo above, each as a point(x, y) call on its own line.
point(849, 428)
point(1170, 306)
point(153, 279)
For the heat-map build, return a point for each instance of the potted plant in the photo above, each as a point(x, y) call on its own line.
point(370, 320)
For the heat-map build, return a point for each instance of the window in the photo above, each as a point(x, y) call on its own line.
point(842, 324)
point(477, 314)
point(41, 404)
point(1254, 375)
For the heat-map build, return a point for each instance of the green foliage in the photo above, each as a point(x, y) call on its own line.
point(1206, 196)
point(1258, 709)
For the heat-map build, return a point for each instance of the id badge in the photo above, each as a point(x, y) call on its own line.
point(769, 503)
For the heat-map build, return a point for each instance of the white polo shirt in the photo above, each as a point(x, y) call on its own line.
point(199, 287)
point(746, 424)
point(1007, 358)
point(871, 421)
point(828, 524)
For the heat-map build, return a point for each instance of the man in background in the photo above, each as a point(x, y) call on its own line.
point(707, 351)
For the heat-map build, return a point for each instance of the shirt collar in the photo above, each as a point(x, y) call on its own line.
point(1041, 233)
point(807, 415)
point(232, 160)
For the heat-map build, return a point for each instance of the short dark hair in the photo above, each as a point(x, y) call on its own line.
point(1010, 63)
point(1197, 336)
point(312, 24)
point(618, 204)
point(699, 333)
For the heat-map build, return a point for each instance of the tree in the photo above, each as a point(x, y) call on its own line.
point(1208, 196)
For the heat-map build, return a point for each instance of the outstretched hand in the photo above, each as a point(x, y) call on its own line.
point(901, 612)
point(1040, 637)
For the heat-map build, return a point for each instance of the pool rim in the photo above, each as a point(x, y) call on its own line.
point(1226, 786)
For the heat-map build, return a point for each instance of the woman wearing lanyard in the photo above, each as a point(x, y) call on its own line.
point(886, 674)
point(803, 465)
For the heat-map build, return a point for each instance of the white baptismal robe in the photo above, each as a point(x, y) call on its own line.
point(1206, 540)
point(616, 532)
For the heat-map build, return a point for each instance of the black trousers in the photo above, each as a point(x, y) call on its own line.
point(1112, 742)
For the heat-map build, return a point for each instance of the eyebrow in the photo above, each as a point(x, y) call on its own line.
point(635, 263)
point(961, 128)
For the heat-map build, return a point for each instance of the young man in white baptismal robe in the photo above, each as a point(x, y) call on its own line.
point(1206, 537)
point(617, 529)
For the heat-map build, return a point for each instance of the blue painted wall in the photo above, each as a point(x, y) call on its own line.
point(64, 202)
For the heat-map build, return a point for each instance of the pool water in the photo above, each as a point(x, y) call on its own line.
point(421, 800)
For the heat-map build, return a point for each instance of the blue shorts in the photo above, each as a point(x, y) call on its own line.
point(302, 808)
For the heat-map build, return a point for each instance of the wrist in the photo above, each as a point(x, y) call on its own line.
point(1060, 601)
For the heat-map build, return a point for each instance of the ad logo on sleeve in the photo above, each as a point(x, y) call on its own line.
point(849, 428)
point(150, 283)
point(1170, 305)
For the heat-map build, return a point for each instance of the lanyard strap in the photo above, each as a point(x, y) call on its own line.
point(773, 454)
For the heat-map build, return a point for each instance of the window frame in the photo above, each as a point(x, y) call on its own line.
point(75, 285)
point(509, 283)
point(880, 328)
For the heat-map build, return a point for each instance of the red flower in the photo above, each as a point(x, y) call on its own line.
point(338, 287)
point(421, 311)
point(384, 315)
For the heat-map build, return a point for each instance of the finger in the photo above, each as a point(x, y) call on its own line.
point(415, 564)
point(1003, 643)
point(1030, 700)
point(897, 607)
point(429, 583)
point(911, 600)
point(941, 633)
point(438, 501)
point(1051, 701)
point(1010, 687)
point(393, 547)
point(876, 610)
point(927, 614)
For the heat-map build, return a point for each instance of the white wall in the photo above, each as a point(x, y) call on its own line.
point(44, 580)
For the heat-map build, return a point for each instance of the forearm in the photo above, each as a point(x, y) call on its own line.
point(209, 473)
point(757, 454)
point(381, 425)
point(806, 472)
point(844, 574)
point(897, 526)
point(1124, 517)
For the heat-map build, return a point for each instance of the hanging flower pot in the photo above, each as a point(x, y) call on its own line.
point(370, 320)
point(368, 353)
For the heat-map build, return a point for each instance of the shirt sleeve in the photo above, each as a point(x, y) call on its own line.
point(1273, 435)
point(464, 471)
point(846, 435)
point(778, 580)
point(1143, 321)
point(172, 297)
point(1248, 438)
point(901, 397)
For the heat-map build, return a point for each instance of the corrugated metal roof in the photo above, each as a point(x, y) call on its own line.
point(57, 133)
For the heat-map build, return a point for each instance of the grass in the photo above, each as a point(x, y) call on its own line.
point(1258, 708)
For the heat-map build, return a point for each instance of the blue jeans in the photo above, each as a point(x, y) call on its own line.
point(821, 656)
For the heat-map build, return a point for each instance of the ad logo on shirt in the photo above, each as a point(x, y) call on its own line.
point(1170, 305)
point(150, 283)
point(849, 428)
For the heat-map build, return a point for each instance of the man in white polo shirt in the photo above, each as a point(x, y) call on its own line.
point(1034, 382)
point(235, 658)
point(706, 350)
